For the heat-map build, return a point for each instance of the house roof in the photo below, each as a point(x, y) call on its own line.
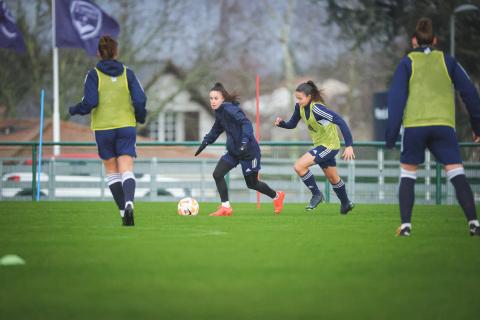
point(24, 130)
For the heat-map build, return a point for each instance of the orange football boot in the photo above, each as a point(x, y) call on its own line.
point(278, 202)
point(222, 212)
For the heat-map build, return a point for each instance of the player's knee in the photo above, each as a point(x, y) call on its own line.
point(217, 175)
point(253, 185)
point(333, 179)
point(299, 169)
point(252, 182)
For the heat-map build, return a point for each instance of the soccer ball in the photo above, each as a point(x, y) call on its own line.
point(188, 207)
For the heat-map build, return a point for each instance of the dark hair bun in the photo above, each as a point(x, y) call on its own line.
point(311, 83)
point(424, 25)
point(309, 88)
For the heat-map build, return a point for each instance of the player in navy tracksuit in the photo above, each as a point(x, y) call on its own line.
point(242, 148)
point(116, 100)
point(421, 98)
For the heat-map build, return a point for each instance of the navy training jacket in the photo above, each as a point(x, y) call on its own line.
point(231, 119)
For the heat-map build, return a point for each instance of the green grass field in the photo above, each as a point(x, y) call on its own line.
point(81, 264)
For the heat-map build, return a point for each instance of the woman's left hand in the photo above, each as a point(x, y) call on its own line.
point(348, 153)
point(475, 137)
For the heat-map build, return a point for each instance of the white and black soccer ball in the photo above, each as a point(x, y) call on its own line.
point(188, 207)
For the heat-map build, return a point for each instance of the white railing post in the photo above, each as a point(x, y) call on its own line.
point(428, 162)
point(202, 179)
point(449, 192)
point(102, 182)
point(351, 180)
point(52, 180)
point(381, 173)
point(153, 179)
point(301, 186)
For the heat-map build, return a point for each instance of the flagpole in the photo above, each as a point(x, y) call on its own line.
point(56, 111)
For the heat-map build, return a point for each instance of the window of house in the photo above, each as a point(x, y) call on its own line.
point(191, 127)
point(169, 128)
point(153, 130)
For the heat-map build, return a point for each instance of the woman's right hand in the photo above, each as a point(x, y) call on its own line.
point(348, 153)
point(277, 121)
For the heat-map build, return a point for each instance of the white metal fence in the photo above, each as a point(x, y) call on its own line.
point(372, 178)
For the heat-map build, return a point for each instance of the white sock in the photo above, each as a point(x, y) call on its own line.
point(122, 213)
point(455, 172)
point(474, 222)
point(129, 203)
point(404, 225)
point(127, 175)
point(226, 204)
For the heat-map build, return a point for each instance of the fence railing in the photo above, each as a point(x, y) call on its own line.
point(372, 177)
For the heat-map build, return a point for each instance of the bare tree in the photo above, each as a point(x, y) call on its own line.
point(25, 73)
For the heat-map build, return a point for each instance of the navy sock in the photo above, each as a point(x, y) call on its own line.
point(406, 197)
point(128, 184)
point(464, 195)
point(114, 182)
point(309, 181)
point(341, 191)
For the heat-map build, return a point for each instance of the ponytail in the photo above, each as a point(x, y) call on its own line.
point(233, 98)
point(107, 47)
point(309, 88)
point(424, 32)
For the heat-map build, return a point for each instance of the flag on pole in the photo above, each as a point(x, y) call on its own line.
point(10, 35)
point(81, 23)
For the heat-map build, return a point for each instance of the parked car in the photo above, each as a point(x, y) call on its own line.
point(18, 184)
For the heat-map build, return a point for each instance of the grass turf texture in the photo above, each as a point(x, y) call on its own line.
point(81, 264)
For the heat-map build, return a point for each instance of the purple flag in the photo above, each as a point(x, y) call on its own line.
point(81, 23)
point(10, 35)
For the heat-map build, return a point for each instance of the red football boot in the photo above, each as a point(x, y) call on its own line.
point(278, 202)
point(222, 212)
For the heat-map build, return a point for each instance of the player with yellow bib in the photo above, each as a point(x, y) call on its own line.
point(422, 99)
point(116, 100)
point(322, 127)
